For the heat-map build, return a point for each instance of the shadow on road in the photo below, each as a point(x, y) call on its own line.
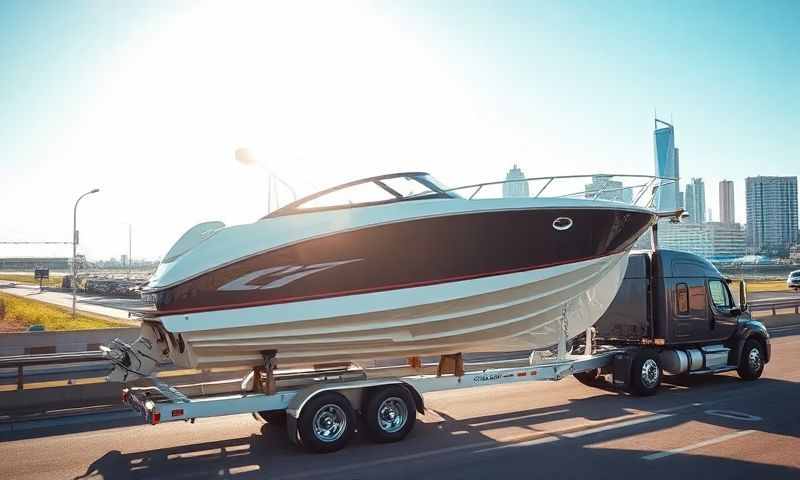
point(462, 447)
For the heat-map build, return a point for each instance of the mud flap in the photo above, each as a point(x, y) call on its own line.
point(621, 370)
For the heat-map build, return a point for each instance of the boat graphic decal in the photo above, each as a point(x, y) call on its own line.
point(279, 276)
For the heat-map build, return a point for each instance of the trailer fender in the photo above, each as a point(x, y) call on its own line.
point(353, 391)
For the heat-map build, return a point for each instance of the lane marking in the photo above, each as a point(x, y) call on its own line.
point(529, 443)
point(734, 415)
point(521, 417)
point(712, 441)
point(614, 426)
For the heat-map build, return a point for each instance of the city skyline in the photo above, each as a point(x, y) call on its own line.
point(93, 98)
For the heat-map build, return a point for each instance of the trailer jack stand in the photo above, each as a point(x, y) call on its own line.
point(451, 363)
point(264, 376)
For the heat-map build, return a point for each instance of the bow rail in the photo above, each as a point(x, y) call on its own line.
point(640, 190)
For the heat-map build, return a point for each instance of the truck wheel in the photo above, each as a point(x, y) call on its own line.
point(751, 365)
point(589, 377)
point(390, 414)
point(326, 422)
point(273, 417)
point(645, 373)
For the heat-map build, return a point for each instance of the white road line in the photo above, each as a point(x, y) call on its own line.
point(529, 443)
point(614, 426)
point(521, 417)
point(713, 441)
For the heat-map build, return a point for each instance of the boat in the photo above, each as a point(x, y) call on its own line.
point(385, 267)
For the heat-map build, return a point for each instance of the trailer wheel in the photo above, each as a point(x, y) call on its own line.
point(273, 417)
point(326, 422)
point(390, 414)
point(646, 373)
point(751, 365)
point(589, 377)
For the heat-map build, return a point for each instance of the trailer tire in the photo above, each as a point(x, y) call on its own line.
point(751, 364)
point(326, 422)
point(390, 414)
point(590, 377)
point(646, 373)
point(273, 417)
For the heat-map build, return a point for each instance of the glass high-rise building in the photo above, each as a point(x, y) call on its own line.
point(667, 165)
point(604, 188)
point(515, 189)
point(771, 214)
point(695, 204)
point(726, 206)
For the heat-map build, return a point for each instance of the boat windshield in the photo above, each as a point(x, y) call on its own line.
point(396, 187)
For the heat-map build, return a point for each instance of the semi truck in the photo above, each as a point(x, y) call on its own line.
point(674, 313)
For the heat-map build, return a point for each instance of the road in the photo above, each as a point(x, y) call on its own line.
point(110, 307)
point(713, 427)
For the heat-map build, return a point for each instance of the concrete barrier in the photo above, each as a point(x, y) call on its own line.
point(26, 343)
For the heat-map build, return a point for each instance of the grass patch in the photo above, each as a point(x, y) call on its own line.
point(18, 313)
point(54, 280)
point(767, 286)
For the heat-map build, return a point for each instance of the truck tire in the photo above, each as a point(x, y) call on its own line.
point(273, 417)
point(646, 373)
point(326, 422)
point(590, 377)
point(390, 414)
point(751, 363)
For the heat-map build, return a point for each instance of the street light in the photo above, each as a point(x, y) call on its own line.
point(75, 248)
point(246, 157)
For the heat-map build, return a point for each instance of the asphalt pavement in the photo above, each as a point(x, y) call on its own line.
point(701, 427)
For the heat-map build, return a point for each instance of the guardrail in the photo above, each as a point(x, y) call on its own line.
point(21, 361)
point(776, 305)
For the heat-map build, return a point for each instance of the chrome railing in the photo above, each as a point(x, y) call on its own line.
point(640, 189)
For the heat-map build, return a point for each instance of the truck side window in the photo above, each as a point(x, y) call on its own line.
point(682, 298)
point(719, 295)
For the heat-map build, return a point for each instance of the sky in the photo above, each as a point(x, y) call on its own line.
point(149, 100)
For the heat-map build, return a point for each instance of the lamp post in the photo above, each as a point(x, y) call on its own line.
point(246, 157)
point(75, 248)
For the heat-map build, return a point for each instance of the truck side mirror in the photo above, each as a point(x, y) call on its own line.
point(735, 311)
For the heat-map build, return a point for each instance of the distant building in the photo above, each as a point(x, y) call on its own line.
point(667, 165)
point(713, 240)
point(726, 204)
point(28, 264)
point(515, 189)
point(689, 203)
point(604, 188)
point(123, 259)
point(771, 214)
point(696, 201)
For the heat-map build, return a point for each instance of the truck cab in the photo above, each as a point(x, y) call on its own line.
point(681, 309)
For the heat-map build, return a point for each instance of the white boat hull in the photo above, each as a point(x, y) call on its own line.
point(508, 312)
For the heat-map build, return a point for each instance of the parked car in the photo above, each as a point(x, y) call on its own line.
point(794, 280)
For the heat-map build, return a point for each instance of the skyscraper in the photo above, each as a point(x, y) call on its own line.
point(688, 204)
point(666, 156)
point(726, 205)
point(604, 188)
point(695, 203)
point(515, 189)
point(771, 214)
point(699, 206)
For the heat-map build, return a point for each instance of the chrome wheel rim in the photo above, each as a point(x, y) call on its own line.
point(330, 423)
point(754, 358)
point(650, 373)
point(392, 415)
